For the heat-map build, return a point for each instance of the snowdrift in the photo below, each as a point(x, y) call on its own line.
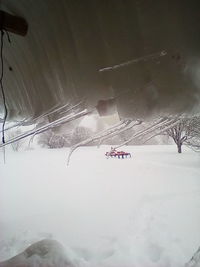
point(136, 212)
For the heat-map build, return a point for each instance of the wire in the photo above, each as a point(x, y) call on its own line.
point(2, 89)
point(8, 36)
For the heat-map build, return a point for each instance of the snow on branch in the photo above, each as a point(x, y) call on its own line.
point(115, 129)
point(18, 124)
point(60, 110)
point(122, 127)
point(31, 119)
point(164, 129)
point(153, 127)
point(183, 130)
point(193, 133)
point(128, 127)
point(134, 61)
point(51, 111)
point(58, 122)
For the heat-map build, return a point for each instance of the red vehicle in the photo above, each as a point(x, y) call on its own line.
point(117, 154)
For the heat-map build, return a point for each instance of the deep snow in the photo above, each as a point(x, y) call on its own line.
point(143, 211)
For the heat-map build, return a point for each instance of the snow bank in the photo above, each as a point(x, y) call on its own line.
point(42, 253)
point(195, 260)
point(141, 212)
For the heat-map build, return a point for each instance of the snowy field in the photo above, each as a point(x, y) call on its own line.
point(138, 212)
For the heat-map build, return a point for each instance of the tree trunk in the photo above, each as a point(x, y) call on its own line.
point(179, 146)
point(195, 260)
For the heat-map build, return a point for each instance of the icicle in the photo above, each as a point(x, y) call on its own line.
point(161, 122)
point(116, 129)
point(163, 130)
point(126, 128)
point(51, 125)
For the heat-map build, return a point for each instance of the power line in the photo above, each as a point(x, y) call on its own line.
point(2, 88)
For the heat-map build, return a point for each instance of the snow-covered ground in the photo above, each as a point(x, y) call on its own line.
point(142, 212)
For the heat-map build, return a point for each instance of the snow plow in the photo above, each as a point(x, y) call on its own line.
point(117, 154)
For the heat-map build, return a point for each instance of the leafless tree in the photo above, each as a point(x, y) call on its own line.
point(51, 140)
point(80, 133)
point(179, 133)
point(187, 131)
point(195, 260)
point(73, 115)
point(114, 130)
point(12, 134)
point(184, 130)
point(194, 139)
point(164, 123)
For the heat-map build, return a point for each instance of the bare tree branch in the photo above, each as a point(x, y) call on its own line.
point(116, 129)
point(126, 128)
point(51, 125)
point(153, 127)
point(134, 61)
point(182, 130)
point(163, 130)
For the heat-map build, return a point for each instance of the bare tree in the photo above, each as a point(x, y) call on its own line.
point(187, 131)
point(159, 123)
point(50, 139)
point(183, 130)
point(179, 133)
point(80, 133)
point(195, 260)
point(13, 134)
point(114, 130)
point(65, 119)
point(194, 143)
point(194, 139)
